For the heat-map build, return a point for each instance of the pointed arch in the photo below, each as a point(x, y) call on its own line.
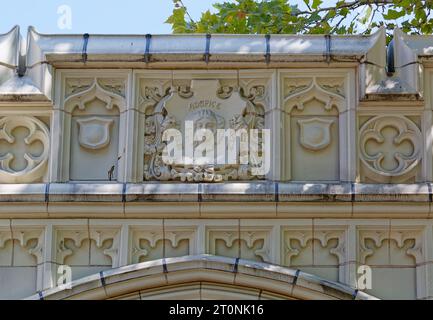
point(172, 277)
point(314, 91)
point(80, 99)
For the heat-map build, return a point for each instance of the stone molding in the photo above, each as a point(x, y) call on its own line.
point(272, 279)
point(230, 192)
point(332, 248)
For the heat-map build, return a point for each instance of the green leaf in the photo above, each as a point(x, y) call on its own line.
point(177, 20)
point(316, 4)
point(284, 16)
point(367, 15)
point(344, 12)
point(393, 14)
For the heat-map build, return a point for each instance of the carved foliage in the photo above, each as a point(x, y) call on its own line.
point(208, 109)
point(36, 164)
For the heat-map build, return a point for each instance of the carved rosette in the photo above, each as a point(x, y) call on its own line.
point(386, 148)
point(35, 163)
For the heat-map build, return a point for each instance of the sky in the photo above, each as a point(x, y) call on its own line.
point(94, 16)
point(100, 16)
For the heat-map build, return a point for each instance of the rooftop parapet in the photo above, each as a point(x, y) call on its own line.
point(42, 52)
point(61, 49)
point(9, 53)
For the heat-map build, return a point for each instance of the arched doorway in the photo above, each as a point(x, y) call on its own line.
point(203, 277)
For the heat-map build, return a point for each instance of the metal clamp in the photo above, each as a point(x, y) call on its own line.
point(147, 50)
point(328, 48)
point(86, 37)
point(268, 49)
point(207, 50)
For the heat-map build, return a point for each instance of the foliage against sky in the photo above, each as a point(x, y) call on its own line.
point(307, 17)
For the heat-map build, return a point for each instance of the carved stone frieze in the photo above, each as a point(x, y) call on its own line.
point(399, 236)
point(252, 243)
point(208, 105)
point(99, 236)
point(303, 237)
point(147, 242)
point(24, 237)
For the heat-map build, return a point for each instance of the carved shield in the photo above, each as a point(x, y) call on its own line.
point(315, 133)
point(94, 133)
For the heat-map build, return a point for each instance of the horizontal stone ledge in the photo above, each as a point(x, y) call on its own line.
point(265, 191)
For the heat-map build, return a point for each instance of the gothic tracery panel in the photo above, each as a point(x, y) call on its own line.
point(95, 106)
point(149, 244)
point(248, 243)
point(321, 250)
point(313, 124)
point(390, 149)
point(24, 149)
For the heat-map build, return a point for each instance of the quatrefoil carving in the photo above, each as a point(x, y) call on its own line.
point(378, 147)
point(36, 164)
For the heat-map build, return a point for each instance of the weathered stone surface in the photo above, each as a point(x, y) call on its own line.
point(314, 192)
point(392, 192)
point(84, 181)
point(72, 192)
point(255, 191)
point(23, 192)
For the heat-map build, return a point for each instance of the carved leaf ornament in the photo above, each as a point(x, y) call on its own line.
point(203, 109)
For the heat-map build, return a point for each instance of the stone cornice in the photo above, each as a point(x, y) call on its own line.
point(225, 192)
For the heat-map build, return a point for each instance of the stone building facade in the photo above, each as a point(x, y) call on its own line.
point(84, 187)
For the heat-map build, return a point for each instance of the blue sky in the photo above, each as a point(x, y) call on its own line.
point(95, 16)
point(100, 16)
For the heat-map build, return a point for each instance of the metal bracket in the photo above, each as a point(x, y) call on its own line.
point(268, 49)
point(147, 51)
point(86, 37)
point(328, 48)
point(236, 266)
point(207, 50)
